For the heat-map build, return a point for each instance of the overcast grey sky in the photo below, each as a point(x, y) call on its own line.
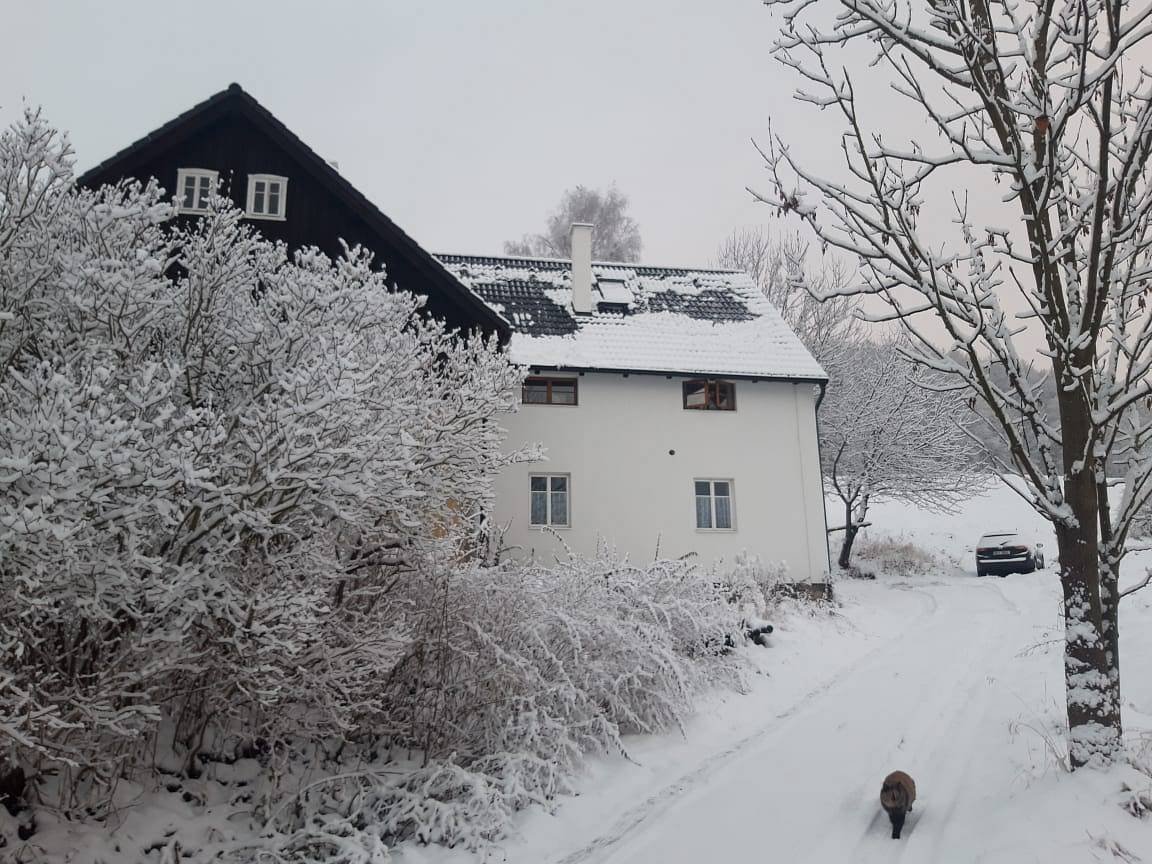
point(463, 121)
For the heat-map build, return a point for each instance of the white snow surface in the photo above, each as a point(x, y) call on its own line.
point(644, 340)
point(954, 679)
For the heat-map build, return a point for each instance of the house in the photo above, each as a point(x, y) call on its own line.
point(232, 145)
point(676, 407)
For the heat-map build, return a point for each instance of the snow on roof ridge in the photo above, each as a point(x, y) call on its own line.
point(623, 265)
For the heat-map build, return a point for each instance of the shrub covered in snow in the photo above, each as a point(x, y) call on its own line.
point(216, 464)
point(896, 556)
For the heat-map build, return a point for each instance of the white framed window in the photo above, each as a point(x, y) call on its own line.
point(194, 188)
point(549, 500)
point(714, 511)
point(267, 196)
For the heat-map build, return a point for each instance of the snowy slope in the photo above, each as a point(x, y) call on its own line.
point(954, 679)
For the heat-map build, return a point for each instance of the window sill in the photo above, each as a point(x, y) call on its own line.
point(263, 218)
point(550, 527)
point(715, 530)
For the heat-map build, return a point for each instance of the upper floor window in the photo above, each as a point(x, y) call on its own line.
point(194, 188)
point(710, 395)
point(267, 195)
point(549, 391)
point(714, 505)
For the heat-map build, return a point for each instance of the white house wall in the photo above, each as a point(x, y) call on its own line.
point(633, 453)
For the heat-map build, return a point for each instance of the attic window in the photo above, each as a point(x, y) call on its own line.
point(267, 196)
point(614, 295)
point(195, 188)
point(710, 395)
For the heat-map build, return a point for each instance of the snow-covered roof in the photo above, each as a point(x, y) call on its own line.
point(644, 319)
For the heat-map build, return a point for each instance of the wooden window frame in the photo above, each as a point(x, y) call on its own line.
point(199, 202)
point(549, 380)
point(266, 179)
point(710, 384)
point(712, 496)
point(548, 493)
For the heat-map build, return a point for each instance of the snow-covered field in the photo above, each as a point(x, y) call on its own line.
point(955, 679)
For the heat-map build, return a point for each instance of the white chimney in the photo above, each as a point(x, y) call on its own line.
point(580, 239)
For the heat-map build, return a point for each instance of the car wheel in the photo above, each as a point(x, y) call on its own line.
point(1004, 575)
point(979, 571)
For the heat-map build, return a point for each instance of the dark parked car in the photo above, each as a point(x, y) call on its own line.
point(1004, 552)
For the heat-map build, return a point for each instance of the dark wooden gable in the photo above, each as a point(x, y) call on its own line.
point(233, 134)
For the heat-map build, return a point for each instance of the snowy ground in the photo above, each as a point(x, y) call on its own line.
point(955, 679)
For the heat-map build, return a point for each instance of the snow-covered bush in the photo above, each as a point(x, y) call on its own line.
point(896, 556)
point(216, 466)
point(749, 583)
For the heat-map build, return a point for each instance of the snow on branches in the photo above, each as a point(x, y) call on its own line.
point(1046, 109)
point(216, 463)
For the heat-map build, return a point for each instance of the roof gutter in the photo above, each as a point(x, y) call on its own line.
point(674, 373)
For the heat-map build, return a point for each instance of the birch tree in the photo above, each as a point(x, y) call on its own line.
point(1044, 104)
point(615, 234)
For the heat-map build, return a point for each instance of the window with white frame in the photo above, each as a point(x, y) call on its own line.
point(267, 195)
point(194, 188)
point(714, 505)
point(549, 500)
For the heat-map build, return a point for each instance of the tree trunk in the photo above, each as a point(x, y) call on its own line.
point(1092, 699)
point(1110, 592)
point(853, 518)
point(850, 532)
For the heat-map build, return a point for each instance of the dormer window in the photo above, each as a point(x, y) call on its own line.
point(194, 189)
point(710, 395)
point(267, 196)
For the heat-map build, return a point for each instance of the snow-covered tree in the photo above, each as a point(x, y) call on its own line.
point(216, 464)
point(1044, 111)
point(780, 266)
point(890, 431)
point(615, 234)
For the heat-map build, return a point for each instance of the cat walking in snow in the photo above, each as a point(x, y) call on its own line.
point(896, 797)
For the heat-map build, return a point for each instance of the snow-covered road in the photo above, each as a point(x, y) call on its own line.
point(955, 679)
point(930, 700)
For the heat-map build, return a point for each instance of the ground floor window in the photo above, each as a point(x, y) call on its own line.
point(714, 505)
point(549, 500)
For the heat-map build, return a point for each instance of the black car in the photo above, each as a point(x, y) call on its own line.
point(1004, 552)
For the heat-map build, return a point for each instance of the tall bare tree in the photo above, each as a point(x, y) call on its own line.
point(615, 235)
point(1045, 100)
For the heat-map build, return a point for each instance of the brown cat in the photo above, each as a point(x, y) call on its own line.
point(896, 797)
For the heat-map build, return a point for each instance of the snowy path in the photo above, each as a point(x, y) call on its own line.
point(928, 701)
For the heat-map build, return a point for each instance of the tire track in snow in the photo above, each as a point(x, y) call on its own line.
point(925, 688)
point(932, 728)
point(636, 817)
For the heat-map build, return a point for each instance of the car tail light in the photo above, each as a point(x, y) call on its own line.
point(984, 551)
point(1017, 550)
